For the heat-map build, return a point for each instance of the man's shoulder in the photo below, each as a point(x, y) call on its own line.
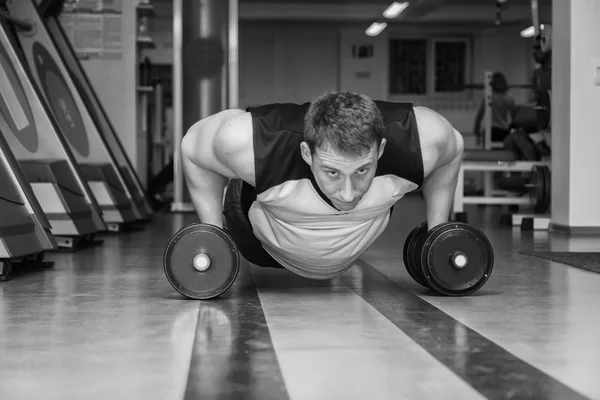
point(433, 128)
point(233, 119)
point(440, 142)
point(232, 128)
point(281, 116)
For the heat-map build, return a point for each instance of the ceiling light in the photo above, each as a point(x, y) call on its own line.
point(529, 32)
point(395, 9)
point(376, 28)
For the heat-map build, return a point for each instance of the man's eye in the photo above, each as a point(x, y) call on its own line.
point(362, 171)
point(332, 173)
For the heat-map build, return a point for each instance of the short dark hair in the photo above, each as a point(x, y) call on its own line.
point(499, 83)
point(349, 122)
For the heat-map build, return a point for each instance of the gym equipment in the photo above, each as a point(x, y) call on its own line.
point(415, 241)
point(486, 86)
point(546, 38)
point(542, 32)
point(201, 261)
point(481, 86)
point(43, 154)
point(542, 109)
point(83, 121)
point(490, 161)
point(540, 188)
point(452, 259)
point(535, 16)
point(24, 230)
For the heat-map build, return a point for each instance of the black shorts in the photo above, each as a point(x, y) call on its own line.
point(499, 134)
point(238, 200)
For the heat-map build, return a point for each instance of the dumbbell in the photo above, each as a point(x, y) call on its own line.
point(540, 189)
point(201, 261)
point(452, 259)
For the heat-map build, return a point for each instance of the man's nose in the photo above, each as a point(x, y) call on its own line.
point(347, 192)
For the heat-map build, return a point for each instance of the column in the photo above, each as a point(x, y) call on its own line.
point(204, 53)
point(201, 59)
point(574, 115)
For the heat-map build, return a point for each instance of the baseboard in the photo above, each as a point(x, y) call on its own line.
point(574, 230)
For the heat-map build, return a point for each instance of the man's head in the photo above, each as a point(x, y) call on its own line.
point(499, 83)
point(343, 140)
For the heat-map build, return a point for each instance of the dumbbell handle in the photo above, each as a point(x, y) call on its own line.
point(201, 262)
point(459, 260)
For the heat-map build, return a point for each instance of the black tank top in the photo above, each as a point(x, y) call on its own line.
point(295, 222)
point(279, 130)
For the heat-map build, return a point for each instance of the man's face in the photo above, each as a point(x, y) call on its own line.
point(342, 178)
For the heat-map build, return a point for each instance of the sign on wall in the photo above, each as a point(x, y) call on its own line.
point(94, 28)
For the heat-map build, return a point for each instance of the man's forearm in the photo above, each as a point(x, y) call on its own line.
point(206, 190)
point(438, 190)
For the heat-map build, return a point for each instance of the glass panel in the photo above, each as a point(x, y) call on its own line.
point(450, 66)
point(408, 66)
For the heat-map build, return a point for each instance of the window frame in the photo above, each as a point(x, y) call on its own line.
point(431, 93)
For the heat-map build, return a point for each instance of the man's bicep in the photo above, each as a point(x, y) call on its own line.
point(449, 150)
point(451, 146)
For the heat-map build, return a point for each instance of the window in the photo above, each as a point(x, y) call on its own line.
point(408, 66)
point(450, 65)
point(428, 66)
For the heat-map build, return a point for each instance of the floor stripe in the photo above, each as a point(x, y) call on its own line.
point(332, 344)
point(233, 355)
point(488, 368)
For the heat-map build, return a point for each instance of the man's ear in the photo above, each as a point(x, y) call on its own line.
point(306, 154)
point(381, 147)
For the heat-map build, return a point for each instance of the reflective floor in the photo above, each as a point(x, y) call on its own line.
point(104, 323)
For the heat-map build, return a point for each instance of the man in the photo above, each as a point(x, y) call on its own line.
point(313, 184)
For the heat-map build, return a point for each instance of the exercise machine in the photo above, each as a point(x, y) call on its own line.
point(24, 230)
point(83, 121)
point(490, 161)
point(536, 195)
point(44, 156)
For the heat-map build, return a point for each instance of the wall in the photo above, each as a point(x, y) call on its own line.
point(115, 84)
point(286, 62)
point(294, 61)
point(496, 49)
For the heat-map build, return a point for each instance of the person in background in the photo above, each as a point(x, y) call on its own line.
point(503, 109)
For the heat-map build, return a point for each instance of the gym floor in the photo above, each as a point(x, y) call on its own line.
point(104, 323)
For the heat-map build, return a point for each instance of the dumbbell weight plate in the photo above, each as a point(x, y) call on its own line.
point(547, 178)
point(539, 188)
point(461, 243)
point(411, 255)
point(542, 109)
point(193, 247)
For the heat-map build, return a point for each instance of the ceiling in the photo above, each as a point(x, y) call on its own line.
point(542, 3)
point(419, 11)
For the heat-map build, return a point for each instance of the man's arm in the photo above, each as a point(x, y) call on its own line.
point(212, 152)
point(443, 150)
